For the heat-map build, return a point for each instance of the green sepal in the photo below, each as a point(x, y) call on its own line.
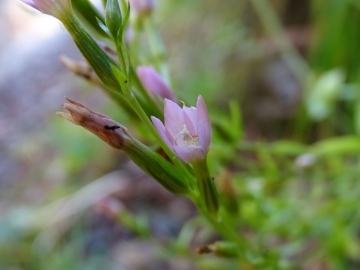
point(126, 59)
point(113, 18)
point(103, 27)
point(206, 186)
point(156, 166)
point(124, 22)
point(122, 79)
point(96, 57)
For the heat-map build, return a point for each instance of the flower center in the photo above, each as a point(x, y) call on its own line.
point(185, 139)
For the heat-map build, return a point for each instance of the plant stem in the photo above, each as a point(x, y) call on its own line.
point(222, 228)
point(206, 186)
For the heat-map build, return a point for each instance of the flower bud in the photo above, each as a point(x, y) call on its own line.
point(153, 83)
point(81, 68)
point(113, 17)
point(101, 125)
point(142, 7)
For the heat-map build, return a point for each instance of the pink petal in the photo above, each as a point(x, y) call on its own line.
point(154, 83)
point(161, 129)
point(189, 154)
point(190, 119)
point(173, 114)
point(31, 4)
point(203, 124)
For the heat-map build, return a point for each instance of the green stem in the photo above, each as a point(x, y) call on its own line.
point(157, 49)
point(121, 56)
point(206, 186)
point(222, 228)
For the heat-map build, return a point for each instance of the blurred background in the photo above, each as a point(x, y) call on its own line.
point(291, 66)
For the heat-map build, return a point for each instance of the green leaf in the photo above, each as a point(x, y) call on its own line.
point(103, 27)
point(323, 93)
point(284, 147)
point(337, 146)
point(96, 57)
point(90, 14)
point(124, 23)
point(113, 18)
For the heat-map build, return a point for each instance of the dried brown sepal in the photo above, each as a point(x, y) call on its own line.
point(81, 69)
point(99, 124)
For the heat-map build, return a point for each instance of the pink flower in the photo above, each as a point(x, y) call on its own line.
point(50, 7)
point(153, 83)
point(142, 7)
point(187, 131)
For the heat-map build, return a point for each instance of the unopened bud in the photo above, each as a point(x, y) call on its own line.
point(142, 7)
point(101, 125)
point(153, 83)
point(82, 69)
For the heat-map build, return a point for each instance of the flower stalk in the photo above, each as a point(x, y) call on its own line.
point(206, 186)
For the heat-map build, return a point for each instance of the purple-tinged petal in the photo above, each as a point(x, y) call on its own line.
point(189, 154)
point(56, 8)
point(142, 7)
point(190, 119)
point(187, 131)
point(162, 132)
point(203, 124)
point(154, 83)
point(173, 115)
point(30, 3)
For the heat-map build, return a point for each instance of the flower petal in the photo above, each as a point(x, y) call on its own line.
point(203, 124)
point(31, 4)
point(154, 83)
point(190, 119)
point(189, 154)
point(174, 121)
point(161, 129)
